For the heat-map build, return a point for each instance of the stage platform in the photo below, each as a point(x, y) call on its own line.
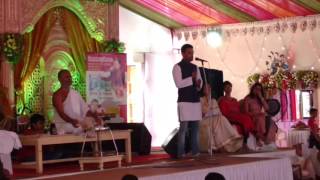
point(233, 168)
point(280, 153)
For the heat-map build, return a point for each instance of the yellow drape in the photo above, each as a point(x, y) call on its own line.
point(79, 39)
point(34, 44)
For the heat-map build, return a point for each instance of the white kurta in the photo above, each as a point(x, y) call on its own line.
point(8, 141)
point(187, 111)
point(76, 108)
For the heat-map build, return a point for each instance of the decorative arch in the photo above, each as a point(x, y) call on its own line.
point(74, 6)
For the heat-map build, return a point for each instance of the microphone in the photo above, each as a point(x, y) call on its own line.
point(202, 60)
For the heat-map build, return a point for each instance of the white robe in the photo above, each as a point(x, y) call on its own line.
point(76, 108)
point(8, 141)
point(187, 111)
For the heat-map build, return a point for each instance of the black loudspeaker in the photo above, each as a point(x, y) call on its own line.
point(215, 79)
point(140, 138)
point(170, 145)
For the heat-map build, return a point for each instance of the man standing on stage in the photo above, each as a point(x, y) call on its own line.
point(188, 81)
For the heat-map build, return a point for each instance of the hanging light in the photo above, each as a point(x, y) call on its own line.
point(214, 38)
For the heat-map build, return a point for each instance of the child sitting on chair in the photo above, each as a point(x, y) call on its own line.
point(314, 139)
point(37, 128)
point(36, 125)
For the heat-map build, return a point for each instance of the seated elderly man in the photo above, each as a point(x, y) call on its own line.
point(72, 114)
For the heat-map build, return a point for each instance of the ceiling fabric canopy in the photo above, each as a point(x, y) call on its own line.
point(186, 13)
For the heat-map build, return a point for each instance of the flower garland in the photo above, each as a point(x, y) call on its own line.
point(12, 47)
point(308, 78)
point(286, 80)
point(113, 46)
point(279, 75)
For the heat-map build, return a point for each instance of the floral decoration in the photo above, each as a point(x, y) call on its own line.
point(279, 75)
point(308, 78)
point(12, 47)
point(286, 80)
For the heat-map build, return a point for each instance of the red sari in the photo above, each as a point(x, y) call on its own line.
point(230, 108)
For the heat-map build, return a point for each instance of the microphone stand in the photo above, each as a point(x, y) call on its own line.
point(209, 101)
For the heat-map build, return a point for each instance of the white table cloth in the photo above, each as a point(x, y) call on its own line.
point(275, 169)
point(8, 141)
point(298, 137)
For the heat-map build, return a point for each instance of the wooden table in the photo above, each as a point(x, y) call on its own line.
point(41, 140)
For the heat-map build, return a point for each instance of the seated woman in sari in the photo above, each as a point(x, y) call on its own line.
point(230, 108)
point(255, 106)
point(224, 136)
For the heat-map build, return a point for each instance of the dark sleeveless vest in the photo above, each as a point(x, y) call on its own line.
point(190, 93)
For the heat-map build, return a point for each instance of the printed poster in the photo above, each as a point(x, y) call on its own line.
point(106, 85)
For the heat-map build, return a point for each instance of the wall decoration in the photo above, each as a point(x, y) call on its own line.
point(31, 100)
point(313, 24)
point(259, 28)
point(90, 14)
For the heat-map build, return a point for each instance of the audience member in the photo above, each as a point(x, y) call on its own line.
point(214, 176)
point(129, 177)
point(37, 128)
point(314, 139)
point(36, 125)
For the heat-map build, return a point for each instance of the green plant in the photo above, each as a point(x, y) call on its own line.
point(253, 79)
point(113, 46)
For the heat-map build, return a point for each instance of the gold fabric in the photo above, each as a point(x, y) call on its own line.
point(34, 44)
point(80, 41)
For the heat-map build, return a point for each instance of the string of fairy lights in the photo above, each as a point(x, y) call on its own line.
point(287, 46)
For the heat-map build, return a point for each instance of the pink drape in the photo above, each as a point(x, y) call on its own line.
point(284, 106)
point(292, 95)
